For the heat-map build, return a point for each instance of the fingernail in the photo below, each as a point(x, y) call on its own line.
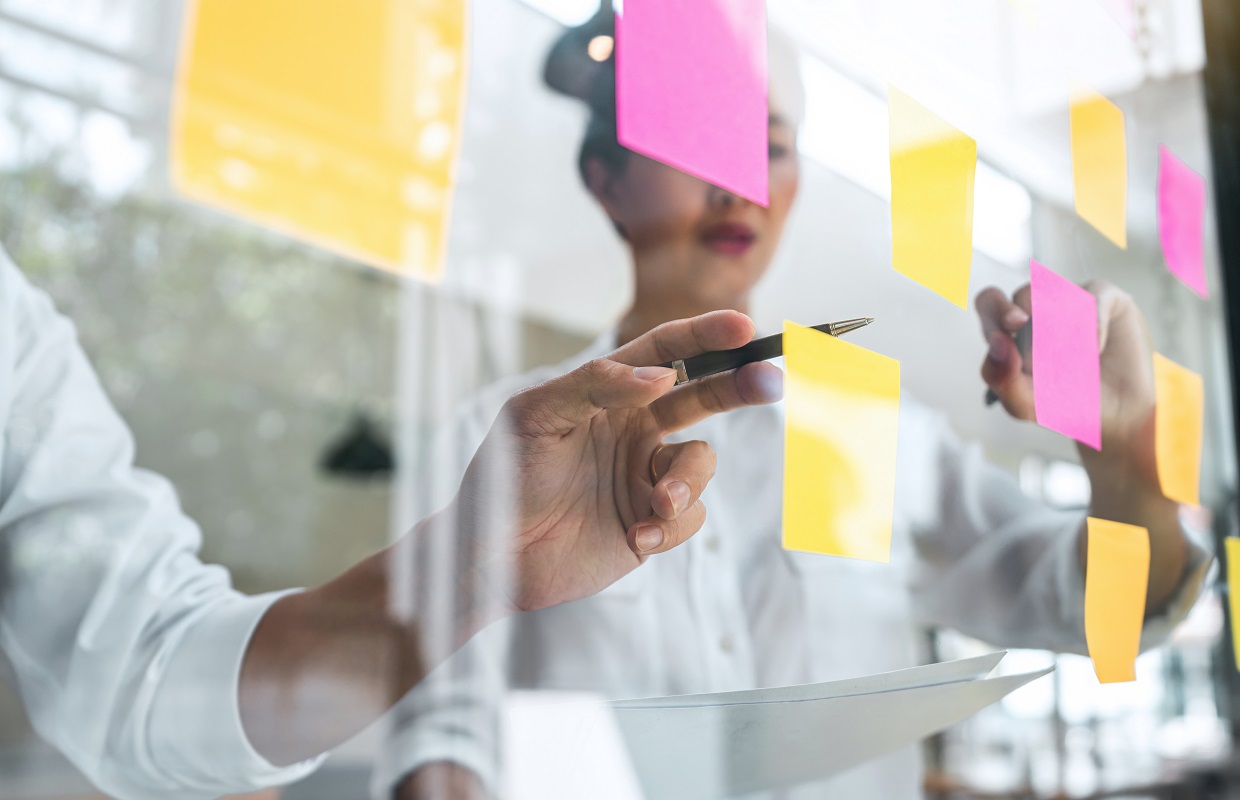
point(678, 493)
point(651, 373)
point(1015, 317)
point(998, 349)
point(648, 538)
point(771, 384)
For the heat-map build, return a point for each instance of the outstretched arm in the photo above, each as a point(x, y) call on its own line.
point(570, 491)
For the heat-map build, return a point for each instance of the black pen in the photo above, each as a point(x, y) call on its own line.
point(764, 349)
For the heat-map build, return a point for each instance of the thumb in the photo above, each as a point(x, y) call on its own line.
point(564, 403)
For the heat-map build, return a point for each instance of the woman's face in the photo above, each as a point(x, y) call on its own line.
point(697, 240)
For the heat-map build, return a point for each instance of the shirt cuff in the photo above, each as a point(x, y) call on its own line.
point(196, 731)
point(408, 750)
point(1158, 628)
point(1197, 566)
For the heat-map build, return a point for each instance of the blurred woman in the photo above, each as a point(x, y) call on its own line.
point(733, 609)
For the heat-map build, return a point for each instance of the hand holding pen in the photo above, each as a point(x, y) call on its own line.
point(1008, 329)
point(764, 349)
point(1006, 325)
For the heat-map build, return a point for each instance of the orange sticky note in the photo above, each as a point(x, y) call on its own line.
point(932, 172)
point(1232, 545)
point(335, 123)
point(1100, 164)
point(842, 412)
point(1116, 576)
point(1178, 420)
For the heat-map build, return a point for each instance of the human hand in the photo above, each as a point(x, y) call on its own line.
point(1123, 475)
point(1127, 396)
point(558, 503)
point(576, 455)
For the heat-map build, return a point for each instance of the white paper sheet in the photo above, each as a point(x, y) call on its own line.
point(713, 751)
point(929, 675)
point(709, 746)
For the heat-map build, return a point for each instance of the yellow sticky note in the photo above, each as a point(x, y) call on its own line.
point(336, 123)
point(932, 172)
point(842, 411)
point(1116, 575)
point(1232, 545)
point(1100, 164)
point(1178, 418)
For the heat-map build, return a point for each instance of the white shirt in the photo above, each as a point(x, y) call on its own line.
point(125, 648)
point(732, 610)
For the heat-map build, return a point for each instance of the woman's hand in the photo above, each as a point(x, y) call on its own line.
point(1123, 475)
point(1127, 377)
point(560, 499)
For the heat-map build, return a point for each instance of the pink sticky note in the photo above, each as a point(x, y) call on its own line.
point(1181, 220)
point(1067, 374)
point(691, 88)
point(1124, 13)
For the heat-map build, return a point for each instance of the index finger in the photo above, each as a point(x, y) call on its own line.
point(682, 338)
point(751, 385)
point(998, 313)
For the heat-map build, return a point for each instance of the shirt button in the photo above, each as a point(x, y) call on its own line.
point(712, 544)
point(726, 644)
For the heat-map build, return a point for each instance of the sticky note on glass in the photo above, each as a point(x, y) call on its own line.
point(1181, 220)
point(1178, 419)
point(339, 127)
point(691, 88)
point(932, 172)
point(842, 411)
point(1116, 575)
point(1232, 545)
point(1100, 164)
point(1067, 372)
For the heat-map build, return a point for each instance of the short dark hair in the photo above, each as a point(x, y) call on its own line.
point(600, 142)
point(570, 69)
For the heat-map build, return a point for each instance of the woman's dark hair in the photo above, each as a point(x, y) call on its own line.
point(600, 142)
point(569, 70)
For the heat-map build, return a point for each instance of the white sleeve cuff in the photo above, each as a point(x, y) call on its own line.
point(1071, 580)
point(195, 715)
point(1197, 566)
point(408, 750)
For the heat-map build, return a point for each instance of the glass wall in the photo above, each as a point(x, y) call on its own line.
point(250, 364)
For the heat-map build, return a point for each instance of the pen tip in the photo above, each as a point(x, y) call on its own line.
point(868, 320)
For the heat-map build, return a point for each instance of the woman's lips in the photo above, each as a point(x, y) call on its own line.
point(729, 238)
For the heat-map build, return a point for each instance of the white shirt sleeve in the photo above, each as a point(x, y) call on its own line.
point(453, 715)
point(995, 563)
point(126, 649)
